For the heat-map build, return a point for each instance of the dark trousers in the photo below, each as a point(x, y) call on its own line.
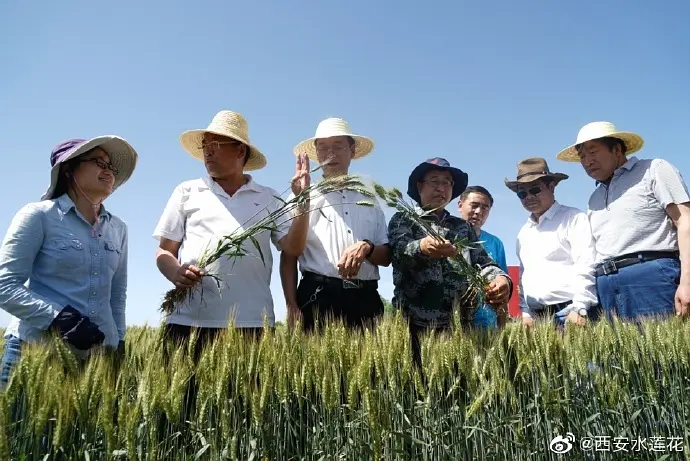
point(176, 336)
point(322, 300)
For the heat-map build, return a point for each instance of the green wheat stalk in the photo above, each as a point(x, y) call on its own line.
point(232, 246)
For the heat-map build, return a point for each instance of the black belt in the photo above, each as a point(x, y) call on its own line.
point(611, 266)
point(550, 309)
point(352, 284)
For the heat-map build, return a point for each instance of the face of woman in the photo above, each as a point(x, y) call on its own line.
point(94, 174)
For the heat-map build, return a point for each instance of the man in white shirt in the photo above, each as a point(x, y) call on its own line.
point(201, 211)
point(555, 249)
point(640, 219)
point(346, 242)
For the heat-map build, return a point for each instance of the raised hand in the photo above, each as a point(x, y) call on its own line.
point(302, 178)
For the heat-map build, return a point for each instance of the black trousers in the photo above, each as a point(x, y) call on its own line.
point(322, 301)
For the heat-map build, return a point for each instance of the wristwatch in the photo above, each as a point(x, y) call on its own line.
point(371, 249)
point(582, 312)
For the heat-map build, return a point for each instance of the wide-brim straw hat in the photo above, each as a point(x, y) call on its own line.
point(531, 169)
point(122, 156)
point(231, 125)
point(597, 130)
point(332, 127)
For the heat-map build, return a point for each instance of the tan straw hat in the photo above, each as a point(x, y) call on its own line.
point(596, 130)
point(531, 169)
point(334, 127)
point(225, 123)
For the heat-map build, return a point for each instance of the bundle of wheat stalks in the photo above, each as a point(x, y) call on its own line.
point(233, 246)
point(476, 282)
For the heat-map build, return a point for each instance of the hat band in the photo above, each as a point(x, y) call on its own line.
point(531, 173)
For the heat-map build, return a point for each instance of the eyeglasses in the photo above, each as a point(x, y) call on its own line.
point(215, 145)
point(102, 164)
point(333, 149)
point(436, 184)
point(532, 190)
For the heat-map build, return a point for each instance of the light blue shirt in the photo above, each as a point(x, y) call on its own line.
point(51, 257)
point(494, 247)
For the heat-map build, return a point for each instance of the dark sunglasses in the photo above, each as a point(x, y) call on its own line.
point(532, 190)
point(102, 164)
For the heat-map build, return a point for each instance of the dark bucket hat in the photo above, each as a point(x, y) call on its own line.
point(122, 156)
point(437, 163)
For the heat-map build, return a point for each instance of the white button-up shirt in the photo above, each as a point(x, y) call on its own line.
point(556, 257)
point(339, 223)
point(198, 214)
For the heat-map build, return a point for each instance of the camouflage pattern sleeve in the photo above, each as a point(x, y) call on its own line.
point(406, 252)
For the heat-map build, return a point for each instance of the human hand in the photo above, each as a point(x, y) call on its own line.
point(436, 248)
point(293, 312)
point(352, 258)
point(574, 317)
point(498, 291)
point(302, 178)
point(527, 321)
point(187, 275)
point(682, 300)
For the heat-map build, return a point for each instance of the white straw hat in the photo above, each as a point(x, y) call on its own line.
point(334, 127)
point(596, 130)
point(225, 123)
point(122, 156)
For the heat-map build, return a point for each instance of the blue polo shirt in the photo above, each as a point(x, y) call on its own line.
point(485, 316)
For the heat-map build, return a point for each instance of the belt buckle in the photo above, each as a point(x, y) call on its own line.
point(351, 284)
point(609, 267)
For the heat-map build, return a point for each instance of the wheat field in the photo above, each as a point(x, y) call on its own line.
point(342, 395)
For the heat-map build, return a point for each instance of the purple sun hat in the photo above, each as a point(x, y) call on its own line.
point(121, 154)
point(460, 178)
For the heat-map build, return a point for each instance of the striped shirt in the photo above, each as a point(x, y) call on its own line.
point(629, 214)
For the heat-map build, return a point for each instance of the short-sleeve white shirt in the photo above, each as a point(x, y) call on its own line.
point(198, 214)
point(335, 223)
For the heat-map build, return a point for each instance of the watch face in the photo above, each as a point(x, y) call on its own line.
point(582, 312)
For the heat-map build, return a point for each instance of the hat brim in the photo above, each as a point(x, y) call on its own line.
point(513, 185)
point(122, 155)
point(633, 143)
point(460, 180)
point(191, 142)
point(363, 146)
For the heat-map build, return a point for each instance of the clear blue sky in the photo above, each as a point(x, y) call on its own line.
point(481, 84)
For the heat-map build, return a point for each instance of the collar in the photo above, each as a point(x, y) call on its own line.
point(65, 204)
point(627, 166)
point(550, 213)
point(212, 185)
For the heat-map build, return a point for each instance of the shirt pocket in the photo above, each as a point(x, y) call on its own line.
point(113, 253)
point(66, 253)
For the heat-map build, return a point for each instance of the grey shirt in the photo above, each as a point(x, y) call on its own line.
point(629, 215)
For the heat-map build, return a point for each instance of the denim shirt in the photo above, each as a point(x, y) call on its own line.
point(52, 247)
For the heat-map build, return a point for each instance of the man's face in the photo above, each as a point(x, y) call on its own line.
point(223, 157)
point(475, 209)
point(536, 196)
point(335, 154)
point(598, 160)
point(436, 189)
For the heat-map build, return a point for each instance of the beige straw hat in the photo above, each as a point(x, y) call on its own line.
point(225, 123)
point(595, 130)
point(334, 127)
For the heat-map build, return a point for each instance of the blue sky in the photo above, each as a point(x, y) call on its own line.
point(483, 85)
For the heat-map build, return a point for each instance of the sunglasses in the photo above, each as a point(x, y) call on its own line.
point(532, 190)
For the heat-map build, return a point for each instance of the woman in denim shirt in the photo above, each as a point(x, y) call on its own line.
point(72, 252)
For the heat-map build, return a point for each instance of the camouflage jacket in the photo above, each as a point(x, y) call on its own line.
point(426, 288)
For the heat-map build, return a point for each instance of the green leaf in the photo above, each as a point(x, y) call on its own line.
point(258, 247)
